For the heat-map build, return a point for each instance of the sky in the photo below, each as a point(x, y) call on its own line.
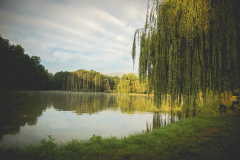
point(75, 34)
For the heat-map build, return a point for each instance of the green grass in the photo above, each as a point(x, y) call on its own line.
point(203, 137)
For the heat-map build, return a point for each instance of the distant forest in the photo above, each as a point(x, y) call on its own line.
point(23, 72)
point(86, 81)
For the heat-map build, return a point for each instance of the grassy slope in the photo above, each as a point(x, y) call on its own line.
point(203, 137)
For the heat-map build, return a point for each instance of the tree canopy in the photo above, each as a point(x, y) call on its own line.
point(190, 46)
point(19, 71)
point(130, 84)
point(87, 81)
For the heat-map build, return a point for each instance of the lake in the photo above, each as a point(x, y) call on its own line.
point(28, 116)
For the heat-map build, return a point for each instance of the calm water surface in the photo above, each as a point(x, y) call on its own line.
point(28, 117)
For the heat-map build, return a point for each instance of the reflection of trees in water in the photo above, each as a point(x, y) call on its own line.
point(130, 104)
point(229, 108)
point(184, 107)
point(83, 102)
point(23, 108)
point(190, 108)
point(19, 109)
point(162, 119)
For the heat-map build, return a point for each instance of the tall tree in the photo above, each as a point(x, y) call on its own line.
point(190, 46)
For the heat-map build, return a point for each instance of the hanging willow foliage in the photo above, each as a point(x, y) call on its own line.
point(190, 46)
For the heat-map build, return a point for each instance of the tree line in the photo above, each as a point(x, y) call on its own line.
point(23, 72)
point(86, 81)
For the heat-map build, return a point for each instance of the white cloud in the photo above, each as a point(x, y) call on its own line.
point(75, 34)
point(61, 56)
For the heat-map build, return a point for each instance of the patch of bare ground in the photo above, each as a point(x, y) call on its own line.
point(210, 131)
point(207, 138)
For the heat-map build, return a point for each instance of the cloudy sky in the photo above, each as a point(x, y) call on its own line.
point(75, 34)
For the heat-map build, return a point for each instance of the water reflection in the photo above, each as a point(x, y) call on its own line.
point(160, 119)
point(76, 110)
point(20, 109)
point(131, 104)
point(171, 112)
point(83, 102)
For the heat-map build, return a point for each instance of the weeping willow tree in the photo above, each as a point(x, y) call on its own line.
point(189, 46)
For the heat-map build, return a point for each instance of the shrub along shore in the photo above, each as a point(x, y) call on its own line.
point(202, 137)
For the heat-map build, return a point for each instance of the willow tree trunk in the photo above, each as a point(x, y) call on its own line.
point(87, 80)
point(95, 82)
point(99, 83)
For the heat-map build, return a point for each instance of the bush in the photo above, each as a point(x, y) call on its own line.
point(108, 91)
point(114, 91)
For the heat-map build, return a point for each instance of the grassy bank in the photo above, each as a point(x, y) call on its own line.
point(204, 137)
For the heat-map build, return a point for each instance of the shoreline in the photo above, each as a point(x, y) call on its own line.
point(202, 137)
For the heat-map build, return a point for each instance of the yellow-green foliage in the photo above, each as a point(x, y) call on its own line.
point(188, 46)
point(131, 84)
point(82, 80)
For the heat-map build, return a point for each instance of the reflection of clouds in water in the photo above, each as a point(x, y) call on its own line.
point(56, 114)
point(105, 123)
point(59, 125)
point(54, 120)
